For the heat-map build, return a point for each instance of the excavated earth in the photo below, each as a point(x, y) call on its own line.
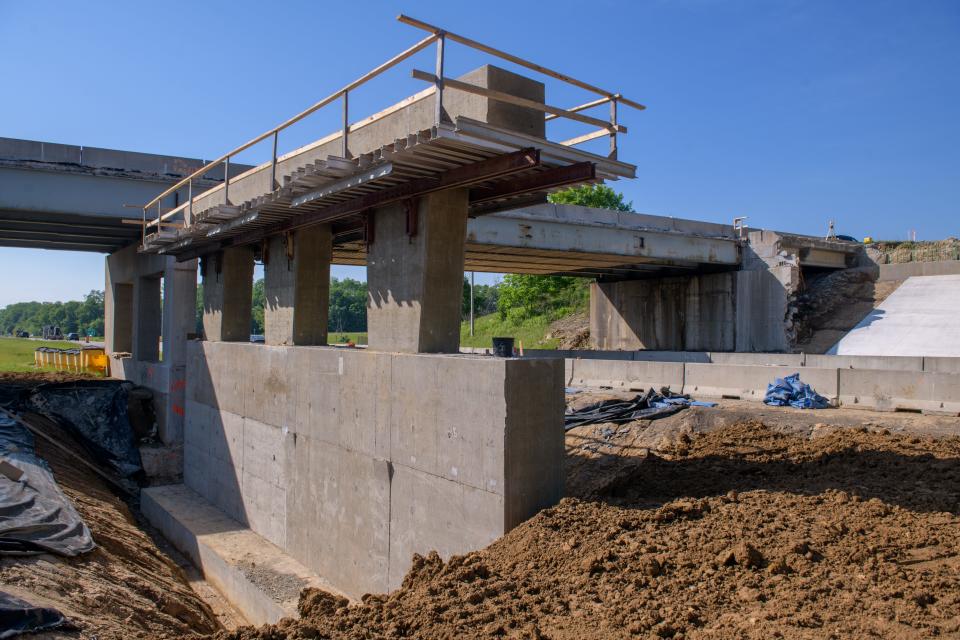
point(125, 588)
point(695, 526)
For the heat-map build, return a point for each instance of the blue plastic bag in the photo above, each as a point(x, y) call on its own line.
point(789, 391)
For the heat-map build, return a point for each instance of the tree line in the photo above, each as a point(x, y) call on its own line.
point(81, 316)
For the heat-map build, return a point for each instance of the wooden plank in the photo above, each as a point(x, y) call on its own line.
point(593, 135)
point(466, 175)
point(419, 24)
point(450, 83)
point(586, 105)
point(400, 57)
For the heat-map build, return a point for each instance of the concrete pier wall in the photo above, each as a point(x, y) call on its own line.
point(677, 313)
point(147, 333)
point(353, 460)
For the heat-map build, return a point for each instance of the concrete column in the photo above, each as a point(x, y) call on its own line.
point(147, 318)
point(227, 295)
point(297, 287)
point(118, 320)
point(415, 281)
point(179, 309)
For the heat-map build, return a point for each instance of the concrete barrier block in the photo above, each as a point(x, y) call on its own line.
point(627, 375)
point(748, 382)
point(758, 359)
point(892, 363)
point(900, 390)
point(671, 356)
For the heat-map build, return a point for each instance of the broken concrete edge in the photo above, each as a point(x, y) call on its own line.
point(229, 555)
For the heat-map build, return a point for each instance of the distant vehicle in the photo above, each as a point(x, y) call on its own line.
point(847, 238)
point(23, 334)
point(73, 335)
point(257, 338)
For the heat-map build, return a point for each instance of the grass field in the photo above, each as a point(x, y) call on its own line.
point(531, 332)
point(16, 354)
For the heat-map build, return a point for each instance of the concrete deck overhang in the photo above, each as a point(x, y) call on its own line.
point(57, 196)
point(340, 190)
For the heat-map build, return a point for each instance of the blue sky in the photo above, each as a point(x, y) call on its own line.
point(791, 113)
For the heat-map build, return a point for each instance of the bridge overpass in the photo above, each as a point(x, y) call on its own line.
point(68, 197)
point(405, 446)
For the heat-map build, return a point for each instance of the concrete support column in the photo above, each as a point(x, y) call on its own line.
point(148, 314)
point(415, 274)
point(297, 287)
point(179, 309)
point(118, 316)
point(227, 295)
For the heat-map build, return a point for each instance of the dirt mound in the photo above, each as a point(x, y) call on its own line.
point(572, 331)
point(743, 532)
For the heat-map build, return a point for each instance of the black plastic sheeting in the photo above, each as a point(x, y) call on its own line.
point(649, 406)
point(18, 616)
point(95, 412)
point(35, 516)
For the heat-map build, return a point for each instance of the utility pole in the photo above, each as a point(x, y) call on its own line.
point(471, 304)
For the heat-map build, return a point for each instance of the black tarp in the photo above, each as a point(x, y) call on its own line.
point(95, 412)
point(18, 616)
point(649, 406)
point(35, 516)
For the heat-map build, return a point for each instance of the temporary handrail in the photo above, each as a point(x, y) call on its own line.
point(413, 22)
point(422, 44)
point(439, 36)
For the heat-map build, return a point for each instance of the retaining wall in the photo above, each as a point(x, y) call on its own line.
point(353, 460)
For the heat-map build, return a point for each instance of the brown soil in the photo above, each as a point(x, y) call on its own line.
point(572, 331)
point(832, 304)
point(703, 525)
point(126, 587)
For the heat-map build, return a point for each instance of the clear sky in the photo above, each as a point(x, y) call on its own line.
point(792, 113)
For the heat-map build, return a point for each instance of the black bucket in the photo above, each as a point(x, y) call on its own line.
point(503, 347)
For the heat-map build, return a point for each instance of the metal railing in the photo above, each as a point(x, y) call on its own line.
point(440, 36)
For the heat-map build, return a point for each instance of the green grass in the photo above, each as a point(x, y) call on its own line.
point(531, 332)
point(16, 354)
point(341, 337)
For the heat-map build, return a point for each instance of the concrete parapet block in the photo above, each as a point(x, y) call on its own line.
point(891, 363)
point(900, 390)
point(749, 382)
point(759, 359)
point(627, 375)
point(941, 364)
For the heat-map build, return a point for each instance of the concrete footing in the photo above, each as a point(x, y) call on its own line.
point(256, 576)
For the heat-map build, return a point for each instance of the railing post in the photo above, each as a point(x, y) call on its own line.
point(613, 129)
point(190, 204)
point(226, 181)
point(273, 165)
point(346, 125)
point(159, 214)
point(441, 40)
point(143, 228)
